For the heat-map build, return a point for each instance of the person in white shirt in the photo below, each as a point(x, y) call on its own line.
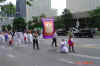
point(30, 37)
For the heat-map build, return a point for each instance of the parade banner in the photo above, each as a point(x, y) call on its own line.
point(48, 28)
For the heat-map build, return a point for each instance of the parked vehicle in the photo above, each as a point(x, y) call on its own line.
point(85, 33)
point(61, 32)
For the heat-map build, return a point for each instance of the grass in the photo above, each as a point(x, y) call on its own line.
point(98, 33)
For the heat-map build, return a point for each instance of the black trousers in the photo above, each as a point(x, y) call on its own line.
point(54, 41)
point(71, 48)
point(35, 43)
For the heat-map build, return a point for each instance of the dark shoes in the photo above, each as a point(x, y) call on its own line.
point(72, 51)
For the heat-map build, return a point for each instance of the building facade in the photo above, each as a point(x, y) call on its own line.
point(40, 7)
point(37, 8)
point(20, 8)
point(82, 5)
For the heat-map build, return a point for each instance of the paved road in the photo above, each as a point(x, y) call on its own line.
point(87, 54)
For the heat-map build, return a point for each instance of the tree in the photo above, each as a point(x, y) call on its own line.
point(58, 23)
point(3, 27)
point(9, 27)
point(35, 19)
point(8, 10)
point(95, 12)
point(19, 24)
point(2, 0)
point(95, 18)
point(29, 2)
point(67, 19)
point(30, 25)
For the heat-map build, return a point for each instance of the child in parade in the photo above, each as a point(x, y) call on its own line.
point(63, 47)
point(71, 44)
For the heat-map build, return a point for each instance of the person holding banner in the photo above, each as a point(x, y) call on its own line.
point(35, 40)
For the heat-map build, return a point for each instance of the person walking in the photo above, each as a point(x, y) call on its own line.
point(71, 44)
point(35, 40)
point(54, 40)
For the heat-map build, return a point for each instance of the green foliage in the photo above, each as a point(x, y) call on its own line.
point(58, 23)
point(9, 27)
point(35, 19)
point(30, 25)
point(2, 0)
point(95, 12)
point(9, 9)
point(42, 16)
point(96, 21)
point(95, 18)
point(4, 28)
point(19, 24)
point(29, 2)
point(66, 19)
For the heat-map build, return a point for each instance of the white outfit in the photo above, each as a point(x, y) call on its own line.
point(63, 47)
point(30, 37)
point(2, 38)
point(19, 38)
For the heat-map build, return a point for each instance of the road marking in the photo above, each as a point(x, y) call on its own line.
point(89, 46)
point(73, 62)
point(85, 56)
point(6, 48)
point(84, 62)
point(66, 61)
point(11, 55)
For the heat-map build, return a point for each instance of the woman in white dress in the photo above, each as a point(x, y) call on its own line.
point(63, 47)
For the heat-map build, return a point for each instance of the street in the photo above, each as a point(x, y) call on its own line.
point(87, 54)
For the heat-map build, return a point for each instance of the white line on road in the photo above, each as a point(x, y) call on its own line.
point(85, 56)
point(96, 46)
point(66, 61)
point(11, 55)
point(6, 48)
